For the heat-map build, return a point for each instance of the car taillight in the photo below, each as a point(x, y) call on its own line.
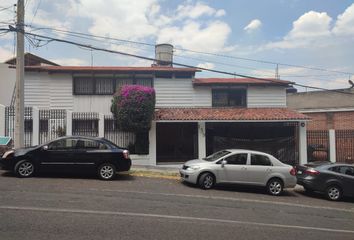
point(126, 154)
point(311, 172)
point(293, 171)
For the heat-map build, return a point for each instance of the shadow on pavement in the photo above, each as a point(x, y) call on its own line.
point(319, 195)
point(243, 188)
point(72, 175)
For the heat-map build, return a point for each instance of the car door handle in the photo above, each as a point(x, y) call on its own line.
point(243, 168)
point(269, 169)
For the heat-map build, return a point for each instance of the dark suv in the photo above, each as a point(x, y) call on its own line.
point(333, 179)
point(69, 153)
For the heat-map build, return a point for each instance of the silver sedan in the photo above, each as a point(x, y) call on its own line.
point(241, 167)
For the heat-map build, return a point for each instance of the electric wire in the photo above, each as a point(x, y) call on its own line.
point(204, 53)
point(175, 63)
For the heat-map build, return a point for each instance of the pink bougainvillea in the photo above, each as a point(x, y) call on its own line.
point(133, 107)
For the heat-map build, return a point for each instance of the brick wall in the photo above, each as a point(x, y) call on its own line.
point(332, 120)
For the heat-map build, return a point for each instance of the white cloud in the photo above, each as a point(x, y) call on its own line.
point(125, 19)
point(207, 65)
point(220, 13)
point(253, 25)
point(345, 22)
point(70, 62)
point(198, 10)
point(192, 35)
point(311, 24)
point(139, 20)
point(312, 28)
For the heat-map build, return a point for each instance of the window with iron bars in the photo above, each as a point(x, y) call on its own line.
point(106, 85)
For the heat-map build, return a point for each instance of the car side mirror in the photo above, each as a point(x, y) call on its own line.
point(223, 163)
point(45, 147)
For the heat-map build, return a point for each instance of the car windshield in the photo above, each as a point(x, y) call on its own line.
point(216, 156)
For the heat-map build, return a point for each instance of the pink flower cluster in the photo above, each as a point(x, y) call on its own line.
point(128, 89)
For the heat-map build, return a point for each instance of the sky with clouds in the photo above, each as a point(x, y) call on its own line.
point(243, 36)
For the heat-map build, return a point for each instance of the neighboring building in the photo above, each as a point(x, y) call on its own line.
point(327, 109)
point(331, 125)
point(7, 84)
point(194, 116)
point(8, 76)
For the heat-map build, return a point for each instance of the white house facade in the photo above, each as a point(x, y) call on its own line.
point(193, 117)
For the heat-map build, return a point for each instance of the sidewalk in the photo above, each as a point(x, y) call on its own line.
point(159, 171)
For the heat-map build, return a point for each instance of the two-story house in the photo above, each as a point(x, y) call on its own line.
point(193, 117)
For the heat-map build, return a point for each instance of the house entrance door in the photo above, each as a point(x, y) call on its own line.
point(176, 142)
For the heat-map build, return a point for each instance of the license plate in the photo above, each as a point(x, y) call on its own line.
point(299, 172)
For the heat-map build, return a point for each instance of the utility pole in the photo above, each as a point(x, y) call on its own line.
point(20, 72)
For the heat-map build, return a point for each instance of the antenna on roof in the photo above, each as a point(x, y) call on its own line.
point(277, 72)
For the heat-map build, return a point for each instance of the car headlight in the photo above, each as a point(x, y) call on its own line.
point(193, 167)
point(7, 153)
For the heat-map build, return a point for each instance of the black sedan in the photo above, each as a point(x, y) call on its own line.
point(335, 180)
point(69, 153)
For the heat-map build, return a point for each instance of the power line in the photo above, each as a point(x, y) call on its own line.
point(175, 63)
point(6, 8)
point(204, 53)
point(35, 12)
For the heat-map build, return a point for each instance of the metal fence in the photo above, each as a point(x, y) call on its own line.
point(52, 124)
point(317, 145)
point(10, 124)
point(345, 146)
point(85, 124)
point(112, 133)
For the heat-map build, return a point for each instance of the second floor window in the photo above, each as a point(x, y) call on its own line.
point(105, 86)
point(229, 97)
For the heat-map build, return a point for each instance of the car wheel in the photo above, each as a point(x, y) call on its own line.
point(107, 171)
point(275, 186)
point(206, 181)
point(24, 168)
point(334, 193)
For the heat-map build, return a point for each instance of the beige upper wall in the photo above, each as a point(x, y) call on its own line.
point(320, 100)
point(7, 83)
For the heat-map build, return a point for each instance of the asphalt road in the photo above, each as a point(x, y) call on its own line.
point(54, 207)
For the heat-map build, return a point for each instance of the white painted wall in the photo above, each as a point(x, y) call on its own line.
point(45, 90)
point(37, 89)
point(61, 92)
point(180, 93)
point(94, 103)
point(263, 97)
point(7, 83)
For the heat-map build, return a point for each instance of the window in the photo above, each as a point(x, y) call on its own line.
point(85, 127)
point(163, 74)
point(144, 82)
point(343, 170)
point(237, 159)
point(28, 124)
point(229, 97)
point(104, 86)
point(63, 144)
point(183, 75)
point(43, 125)
point(216, 156)
point(90, 144)
point(122, 82)
point(260, 160)
point(89, 85)
point(83, 86)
